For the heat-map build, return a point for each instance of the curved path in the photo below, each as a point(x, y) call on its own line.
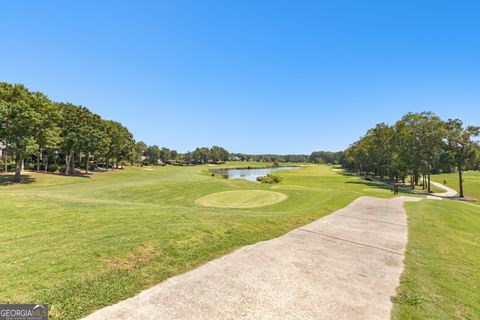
point(346, 265)
point(449, 192)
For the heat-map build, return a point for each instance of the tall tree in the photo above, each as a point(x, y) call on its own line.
point(140, 150)
point(200, 155)
point(432, 132)
point(153, 154)
point(21, 120)
point(217, 154)
point(75, 127)
point(48, 131)
point(165, 155)
point(461, 145)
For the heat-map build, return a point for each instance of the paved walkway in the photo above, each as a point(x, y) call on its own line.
point(346, 265)
point(449, 192)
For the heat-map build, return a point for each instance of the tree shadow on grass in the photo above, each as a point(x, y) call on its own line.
point(366, 181)
point(6, 180)
point(371, 184)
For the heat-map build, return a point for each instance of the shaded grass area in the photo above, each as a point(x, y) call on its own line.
point(81, 244)
point(471, 182)
point(7, 179)
point(441, 278)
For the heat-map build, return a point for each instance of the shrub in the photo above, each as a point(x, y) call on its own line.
point(269, 179)
point(53, 168)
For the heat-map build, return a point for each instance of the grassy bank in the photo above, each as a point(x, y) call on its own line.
point(83, 243)
point(441, 278)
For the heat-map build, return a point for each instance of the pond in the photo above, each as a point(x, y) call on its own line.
point(248, 174)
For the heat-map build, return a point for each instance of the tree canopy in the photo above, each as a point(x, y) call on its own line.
point(31, 125)
point(416, 146)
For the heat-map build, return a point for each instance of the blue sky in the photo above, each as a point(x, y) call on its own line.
point(252, 76)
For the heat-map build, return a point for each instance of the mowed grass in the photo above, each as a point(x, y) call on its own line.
point(441, 279)
point(471, 182)
point(241, 199)
point(83, 243)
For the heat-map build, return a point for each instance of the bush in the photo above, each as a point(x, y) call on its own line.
point(30, 166)
point(53, 168)
point(269, 179)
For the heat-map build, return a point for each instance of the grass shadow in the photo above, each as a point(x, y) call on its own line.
point(369, 182)
point(6, 180)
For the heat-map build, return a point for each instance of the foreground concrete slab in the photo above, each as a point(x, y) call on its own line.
point(346, 265)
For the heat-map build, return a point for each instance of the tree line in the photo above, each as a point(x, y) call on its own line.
point(416, 146)
point(34, 127)
point(326, 157)
point(323, 157)
point(154, 155)
point(269, 157)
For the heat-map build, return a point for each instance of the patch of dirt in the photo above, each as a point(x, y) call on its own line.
point(139, 257)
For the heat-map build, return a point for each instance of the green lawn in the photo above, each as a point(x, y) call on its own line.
point(83, 243)
point(471, 182)
point(441, 278)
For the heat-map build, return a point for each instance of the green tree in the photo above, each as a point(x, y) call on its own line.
point(165, 155)
point(75, 126)
point(200, 155)
point(122, 143)
point(140, 150)
point(217, 154)
point(48, 131)
point(95, 140)
point(153, 154)
point(21, 121)
point(460, 143)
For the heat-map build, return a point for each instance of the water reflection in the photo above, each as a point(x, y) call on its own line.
point(248, 174)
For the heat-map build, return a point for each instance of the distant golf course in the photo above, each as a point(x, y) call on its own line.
point(80, 243)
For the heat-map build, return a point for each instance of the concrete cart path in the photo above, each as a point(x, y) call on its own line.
point(346, 265)
point(449, 192)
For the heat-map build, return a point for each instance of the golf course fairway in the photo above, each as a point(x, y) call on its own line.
point(131, 229)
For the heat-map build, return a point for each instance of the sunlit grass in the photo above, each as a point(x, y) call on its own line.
point(83, 243)
point(441, 278)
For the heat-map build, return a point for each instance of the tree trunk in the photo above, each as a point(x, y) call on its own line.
point(72, 164)
point(38, 159)
point(46, 164)
point(460, 180)
point(67, 164)
point(6, 159)
point(18, 168)
point(428, 176)
point(69, 160)
point(88, 163)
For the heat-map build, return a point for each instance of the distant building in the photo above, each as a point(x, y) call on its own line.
point(2, 147)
